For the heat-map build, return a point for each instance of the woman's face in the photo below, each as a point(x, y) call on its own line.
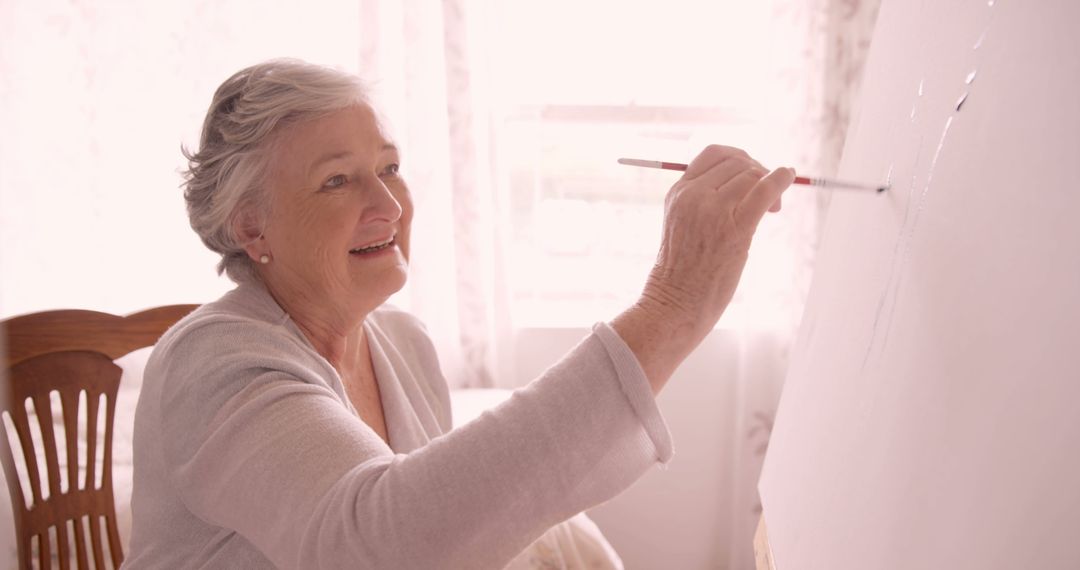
point(338, 229)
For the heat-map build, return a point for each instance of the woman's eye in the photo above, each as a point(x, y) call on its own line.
point(392, 168)
point(336, 181)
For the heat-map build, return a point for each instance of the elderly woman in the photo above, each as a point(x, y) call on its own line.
point(300, 422)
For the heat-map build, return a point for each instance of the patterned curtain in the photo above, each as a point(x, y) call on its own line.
point(837, 35)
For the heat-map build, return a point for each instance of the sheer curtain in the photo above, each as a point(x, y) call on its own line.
point(826, 74)
point(95, 101)
point(418, 57)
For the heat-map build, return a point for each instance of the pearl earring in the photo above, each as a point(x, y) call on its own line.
point(264, 259)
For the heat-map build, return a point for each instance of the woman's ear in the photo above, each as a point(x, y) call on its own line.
point(248, 228)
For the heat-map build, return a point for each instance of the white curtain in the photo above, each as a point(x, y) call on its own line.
point(418, 57)
point(826, 73)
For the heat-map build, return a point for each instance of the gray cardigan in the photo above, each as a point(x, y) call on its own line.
point(248, 454)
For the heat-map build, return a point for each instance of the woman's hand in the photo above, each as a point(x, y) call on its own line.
point(710, 217)
point(711, 214)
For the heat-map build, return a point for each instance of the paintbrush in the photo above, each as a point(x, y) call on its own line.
point(805, 180)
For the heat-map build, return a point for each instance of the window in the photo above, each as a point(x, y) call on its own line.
point(579, 85)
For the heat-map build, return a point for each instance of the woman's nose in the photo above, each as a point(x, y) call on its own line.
point(380, 204)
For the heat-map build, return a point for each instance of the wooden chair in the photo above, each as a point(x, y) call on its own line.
point(64, 357)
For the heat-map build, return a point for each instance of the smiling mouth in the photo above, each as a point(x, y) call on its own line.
point(374, 247)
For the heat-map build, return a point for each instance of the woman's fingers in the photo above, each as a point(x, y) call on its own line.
point(727, 168)
point(743, 180)
point(713, 155)
point(735, 176)
point(764, 196)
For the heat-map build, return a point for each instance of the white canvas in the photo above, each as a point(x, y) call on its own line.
point(931, 415)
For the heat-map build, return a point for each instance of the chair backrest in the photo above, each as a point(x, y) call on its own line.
point(60, 374)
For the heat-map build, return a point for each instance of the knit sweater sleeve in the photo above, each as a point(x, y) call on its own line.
point(257, 443)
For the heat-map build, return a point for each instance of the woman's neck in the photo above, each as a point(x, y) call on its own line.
point(336, 332)
point(339, 349)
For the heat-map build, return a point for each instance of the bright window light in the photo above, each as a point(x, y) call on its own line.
point(579, 85)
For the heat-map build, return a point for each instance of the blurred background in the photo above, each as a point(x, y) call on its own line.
point(510, 116)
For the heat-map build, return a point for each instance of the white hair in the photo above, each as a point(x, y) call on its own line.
point(230, 169)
